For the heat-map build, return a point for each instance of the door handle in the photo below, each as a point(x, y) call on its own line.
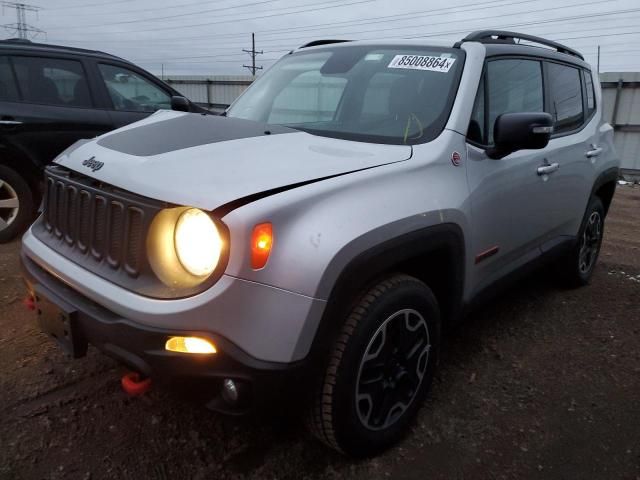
point(10, 122)
point(547, 169)
point(595, 152)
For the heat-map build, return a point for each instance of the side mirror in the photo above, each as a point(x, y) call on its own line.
point(180, 104)
point(520, 131)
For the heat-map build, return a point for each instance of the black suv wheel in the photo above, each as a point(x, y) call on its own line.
point(380, 369)
point(17, 205)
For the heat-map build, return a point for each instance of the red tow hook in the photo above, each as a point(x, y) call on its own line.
point(135, 384)
point(29, 302)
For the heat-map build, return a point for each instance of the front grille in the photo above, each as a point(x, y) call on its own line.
point(95, 224)
point(104, 230)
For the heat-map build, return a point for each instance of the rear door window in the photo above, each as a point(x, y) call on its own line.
point(131, 92)
point(8, 88)
point(52, 81)
point(565, 97)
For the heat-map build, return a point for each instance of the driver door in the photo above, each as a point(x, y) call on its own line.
point(510, 201)
point(131, 95)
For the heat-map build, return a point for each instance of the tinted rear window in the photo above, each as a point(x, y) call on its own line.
point(565, 91)
point(52, 81)
point(590, 93)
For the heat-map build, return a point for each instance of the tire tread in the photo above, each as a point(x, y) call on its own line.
point(320, 417)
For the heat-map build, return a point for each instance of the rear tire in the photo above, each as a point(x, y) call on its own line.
point(17, 204)
point(380, 369)
point(579, 264)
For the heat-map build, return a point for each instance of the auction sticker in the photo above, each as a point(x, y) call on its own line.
point(422, 62)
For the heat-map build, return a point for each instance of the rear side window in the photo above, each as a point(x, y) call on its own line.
point(512, 86)
point(8, 89)
point(565, 97)
point(52, 81)
point(589, 93)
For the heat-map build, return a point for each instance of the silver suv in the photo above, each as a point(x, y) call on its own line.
point(314, 241)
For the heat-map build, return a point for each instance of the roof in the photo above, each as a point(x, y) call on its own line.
point(27, 46)
point(503, 44)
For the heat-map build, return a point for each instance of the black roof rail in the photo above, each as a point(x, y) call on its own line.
point(501, 36)
point(18, 40)
point(317, 43)
point(28, 45)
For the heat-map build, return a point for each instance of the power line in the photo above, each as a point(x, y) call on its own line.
point(197, 12)
point(324, 6)
point(166, 7)
point(363, 21)
point(415, 14)
point(83, 5)
point(451, 32)
point(21, 26)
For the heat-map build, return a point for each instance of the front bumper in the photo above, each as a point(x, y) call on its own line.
point(141, 348)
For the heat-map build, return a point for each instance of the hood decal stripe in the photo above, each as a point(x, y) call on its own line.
point(185, 131)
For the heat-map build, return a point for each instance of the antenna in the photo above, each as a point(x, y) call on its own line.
point(21, 26)
point(253, 54)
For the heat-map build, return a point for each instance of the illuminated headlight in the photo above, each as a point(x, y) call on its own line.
point(185, 247)
point(197, 242)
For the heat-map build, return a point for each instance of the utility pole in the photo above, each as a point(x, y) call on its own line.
point(21, 26)
point(253, 54)
point(598, 59)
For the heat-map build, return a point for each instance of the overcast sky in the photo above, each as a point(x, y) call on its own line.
point(207, 37)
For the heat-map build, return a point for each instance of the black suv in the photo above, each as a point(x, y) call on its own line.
point(51, 96)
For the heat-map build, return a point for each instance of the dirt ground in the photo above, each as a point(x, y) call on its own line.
point(542, 383)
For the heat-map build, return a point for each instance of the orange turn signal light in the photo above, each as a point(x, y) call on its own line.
point(190, 345)
point(261, 244)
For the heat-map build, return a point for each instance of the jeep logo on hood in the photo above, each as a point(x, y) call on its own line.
point(93, 164)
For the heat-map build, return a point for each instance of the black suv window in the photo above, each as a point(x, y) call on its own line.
point(8, 89)
point(565, 97)
point(132, 92)
point(512, 86)
point(52, 81)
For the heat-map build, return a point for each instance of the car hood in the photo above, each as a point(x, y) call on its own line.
point(208, 161)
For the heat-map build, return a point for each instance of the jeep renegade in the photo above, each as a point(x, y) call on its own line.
point(314, 241)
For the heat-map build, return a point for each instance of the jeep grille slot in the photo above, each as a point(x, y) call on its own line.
point(94, 223)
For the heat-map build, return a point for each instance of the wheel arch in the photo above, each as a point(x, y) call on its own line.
point(605, 186)
point(23, 164)
point(434, 255)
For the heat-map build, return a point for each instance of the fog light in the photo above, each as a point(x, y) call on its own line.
point(230, 391)
point(190, 345)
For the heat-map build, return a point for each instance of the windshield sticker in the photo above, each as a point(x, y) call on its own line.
point(422, 62)
point(374, 57)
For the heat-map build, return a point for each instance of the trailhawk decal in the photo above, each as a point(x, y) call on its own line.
point(422, 62)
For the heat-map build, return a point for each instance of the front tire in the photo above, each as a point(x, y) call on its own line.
point(578, 266)
point(380, 369)
point(17, 204)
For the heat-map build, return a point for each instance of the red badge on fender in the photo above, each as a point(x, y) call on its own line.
point(456, 159)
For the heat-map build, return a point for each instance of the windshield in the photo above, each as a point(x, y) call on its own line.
point(397, 95)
